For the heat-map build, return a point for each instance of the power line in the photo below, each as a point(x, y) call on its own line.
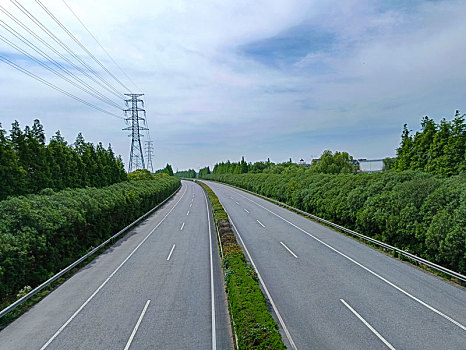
point(32, 75)
point(51, 69)
point(90, 90)
point(80, 44)
point(63, 45)
point(103, 48)
point(18, 22)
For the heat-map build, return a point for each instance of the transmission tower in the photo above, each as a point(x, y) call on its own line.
point(136, 156)
point(149, 146)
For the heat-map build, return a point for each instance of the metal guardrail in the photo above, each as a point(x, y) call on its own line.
point(81, 259)
point(360, 235)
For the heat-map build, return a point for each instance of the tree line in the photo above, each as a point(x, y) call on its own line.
point(436, 148)
point(188, 174)
point(167, 170)
point(328, 163)
point(28, 164)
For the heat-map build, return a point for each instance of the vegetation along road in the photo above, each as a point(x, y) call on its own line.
point(152, 289)
point(333, 292)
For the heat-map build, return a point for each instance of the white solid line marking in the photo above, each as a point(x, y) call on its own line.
point(390, 346)
point(260, 223)
point(365, 268)
point(280, 319)
point(237, 203)
point(246, 210)
point(171, 251)
point(283, 244)
point(130, 340)
point(212, 292)
point(187, 213)
point(181, 229)
point(108, 279)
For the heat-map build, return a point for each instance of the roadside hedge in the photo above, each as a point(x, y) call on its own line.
point(254, 325)
point(421, 213)
point(41, 234)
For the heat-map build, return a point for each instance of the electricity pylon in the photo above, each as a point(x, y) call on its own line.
point(136, 156)
point(149, 146)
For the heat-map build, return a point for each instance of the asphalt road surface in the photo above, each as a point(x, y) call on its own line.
point(332, 292)
point(160, 287)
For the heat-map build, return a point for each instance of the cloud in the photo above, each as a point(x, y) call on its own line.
point(274, 78)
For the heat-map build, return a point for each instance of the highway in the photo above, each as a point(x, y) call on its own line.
point(159, 287)
point(330, 291)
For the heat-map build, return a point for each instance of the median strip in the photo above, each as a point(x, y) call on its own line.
point(253, 324)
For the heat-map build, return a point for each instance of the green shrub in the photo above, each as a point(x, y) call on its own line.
point(412, 210)
point(42, 234)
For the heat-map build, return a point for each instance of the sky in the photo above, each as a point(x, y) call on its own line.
point(262, 79)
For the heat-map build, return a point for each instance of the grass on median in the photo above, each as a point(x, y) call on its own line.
point(254, 325)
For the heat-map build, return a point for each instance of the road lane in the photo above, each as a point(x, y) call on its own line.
point(307, 291)
point(180, 312)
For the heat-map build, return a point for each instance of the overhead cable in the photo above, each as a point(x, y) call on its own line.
point(24, 27)
point(17, 48)
point(101, 46)
point(32, 75)
point(80, 44)
point(87, 88)
point(60, 42)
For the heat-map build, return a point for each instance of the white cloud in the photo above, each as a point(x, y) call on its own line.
point(386, 64)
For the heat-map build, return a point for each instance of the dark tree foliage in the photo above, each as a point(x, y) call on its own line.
point(188, 174)
point(28, 164)
point(436, 148)
point(167, 170)
point(204, 171)
point(338, 163)
point(328, 163)
point(43, 233)
point(388, 163)
point(416, 211)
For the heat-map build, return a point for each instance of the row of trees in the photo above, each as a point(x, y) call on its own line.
point(419, 212)
point(203, 172)
point(436, 148)
point(28, 164)
point(328, 163)
point(42, 233)
point(167, 170)
point(188, 174)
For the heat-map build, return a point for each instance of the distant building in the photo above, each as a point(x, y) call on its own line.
point(303, 162)
point(369, 165)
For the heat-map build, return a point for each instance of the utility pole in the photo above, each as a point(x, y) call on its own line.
point(149, 146)
point(136, 156)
